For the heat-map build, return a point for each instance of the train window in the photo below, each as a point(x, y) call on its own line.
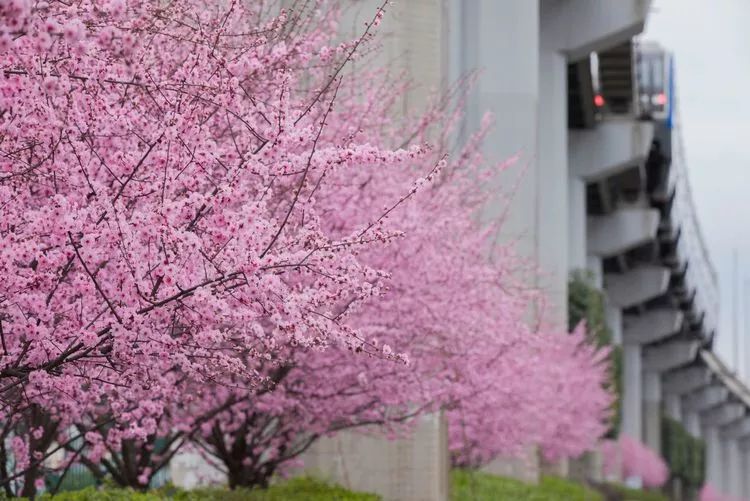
point(643, 74)
point(657, 69)
point(651, 73)
point(652, 83)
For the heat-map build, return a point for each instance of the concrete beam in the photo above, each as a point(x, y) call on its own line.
point(705, 398)
point(723, 414)
point(686, 380)
point(737, 429)
point(609, 149)
point(578, 27)
point(652, 326)
point(620, 231)
point(636, 286)
point(669, 356)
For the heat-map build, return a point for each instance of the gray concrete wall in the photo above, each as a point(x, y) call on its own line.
point(414, 468)
point(525, 468)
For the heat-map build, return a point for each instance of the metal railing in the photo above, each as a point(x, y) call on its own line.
point(691, 247)
point(701, 274)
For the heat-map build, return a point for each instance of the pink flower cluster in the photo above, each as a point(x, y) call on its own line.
point(216, 233)
point(628, 457)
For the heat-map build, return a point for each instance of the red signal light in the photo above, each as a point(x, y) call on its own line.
point(599, 100)
point(661, 99)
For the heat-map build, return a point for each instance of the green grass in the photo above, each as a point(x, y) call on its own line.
point(478, 486)
point(620, 492)
point(467, 486)
point(297, 489)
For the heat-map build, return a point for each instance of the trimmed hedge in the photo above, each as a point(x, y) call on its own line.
point(685, 454)
point(478, 486)
point(297, 489)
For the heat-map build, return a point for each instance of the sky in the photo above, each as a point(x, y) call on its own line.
point(711, 45)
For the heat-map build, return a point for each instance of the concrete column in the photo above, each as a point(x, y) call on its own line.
point(525, 468)
point(714, 457)
point(552, 179)
point(587, 468)
point(632, 400)
point(412, 468)
point(732, 467)
point(189, 470)
point(673, 406)
point(502, 40)
point(595, 267)
point(577, 224)
point(745, 461)
point(692, 424)
point(614, 322)
point(652, 410)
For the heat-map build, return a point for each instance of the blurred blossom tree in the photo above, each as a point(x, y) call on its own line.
point(211, 232)
point(627, 457)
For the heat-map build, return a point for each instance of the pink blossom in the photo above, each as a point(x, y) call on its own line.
point(627, 457)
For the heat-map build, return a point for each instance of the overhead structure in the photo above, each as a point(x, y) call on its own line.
point(645, 246)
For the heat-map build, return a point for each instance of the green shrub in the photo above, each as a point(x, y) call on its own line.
point(297, 489)
point(685, 454)
point(616, 492)
point(303, 488)
point(94, 494)
point(478, 486)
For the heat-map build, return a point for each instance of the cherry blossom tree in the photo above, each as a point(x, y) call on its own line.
point(155, 185)
point(628, 457)
point(451, 301)
point(215, 229)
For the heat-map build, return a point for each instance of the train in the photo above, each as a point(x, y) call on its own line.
point(654, 67)
point(652, 94)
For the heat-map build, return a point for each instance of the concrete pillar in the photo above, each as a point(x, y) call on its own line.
point(652, 410)
point(732, 468)
point(577, 224)
point(525, 468)
point(672, 406)
point(745, 462)
point(587, 468)
point(413, 468)
point(614, 322)
point(488, 33)
point(595, 267)
point(714, 457)
point(559, 468)
point(692, 423)
point(552, 179)
point(632, 400)
point(189, 470)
